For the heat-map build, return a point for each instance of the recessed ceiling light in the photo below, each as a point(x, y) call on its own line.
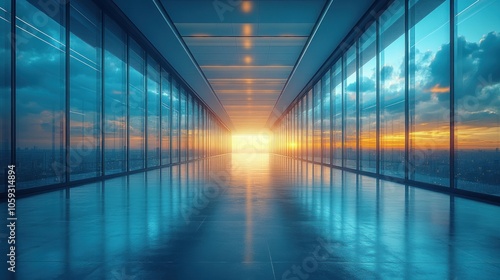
point(247, 29)
point(246, 6)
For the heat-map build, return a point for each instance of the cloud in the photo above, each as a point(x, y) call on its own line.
point(386, 73)
point(367, 84)
point(489, 57)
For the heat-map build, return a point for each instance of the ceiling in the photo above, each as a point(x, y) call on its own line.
point(246, 49)
point(246, 59)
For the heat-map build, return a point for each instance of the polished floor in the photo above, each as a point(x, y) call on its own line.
point(254, 216)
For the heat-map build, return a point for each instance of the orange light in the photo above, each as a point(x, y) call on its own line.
point(246, 6)
point(247, 43)
point(248, 59)
point(247, 29)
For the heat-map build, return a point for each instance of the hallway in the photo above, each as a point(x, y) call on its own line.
point(254, 216)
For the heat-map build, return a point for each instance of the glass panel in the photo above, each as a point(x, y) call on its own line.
point(309, 124)
point(175, 122)
point(317, 122)
point(137, 106)
point(350, 92)
point(183, 124)
point(429, 92)
point(85, 90)
point(165, 117)
point(153, 113)
point(392, 91)
point(326, 102)
point(368, 100)
point(337, 117)
point(302, 129)
point(40, 102)
point(190, 127)
point(5, 93)
point(115, 98)
point(196, 135)
point(477, 96)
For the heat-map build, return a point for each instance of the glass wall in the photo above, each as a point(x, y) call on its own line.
point(136, 105)
point(477, 96)
point(85, 99)
point(310, 128)
point(175, 122)
point(183, 130)
point(317, 123)
point(326, 118)
point(5, 90)
point(115, 98)
point(368, 100)
point(190, 135)
point(103, 104)
point(415, 96)
point(154, 113)
point(166, 100)
point(429, 92)
point(337, 114)
point(350, 108)
point(40, 98)
point(392, 75)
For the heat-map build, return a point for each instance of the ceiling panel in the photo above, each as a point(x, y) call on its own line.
point(247, 52)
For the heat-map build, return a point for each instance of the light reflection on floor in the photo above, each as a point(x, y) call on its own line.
point(254, 216)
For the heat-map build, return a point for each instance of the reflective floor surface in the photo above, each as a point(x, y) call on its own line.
point(253, 216)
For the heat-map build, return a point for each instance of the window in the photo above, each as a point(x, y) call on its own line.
point(429, 92)
point(317, 122)
point(115, 98)
point(183, 126)
point(350, 108)
point(190, 133)
point(136, 106)
point(153, 97)
point(337, 116)
point(305, 137)
point(85, 90)
point(326, 116)
point(477, 96)
point(309, 125)
point(40, 99)
point(392, 91)
point(5, 92)
point(175, 121)
point(368, 100)
point(165, 117)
